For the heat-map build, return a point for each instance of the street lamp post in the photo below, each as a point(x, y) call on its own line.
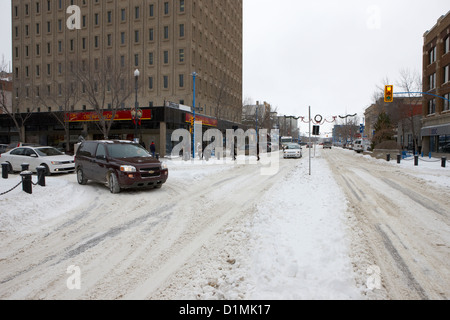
point(136, 105)
point(194, 75)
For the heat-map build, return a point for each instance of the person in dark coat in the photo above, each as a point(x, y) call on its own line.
point(153, 149)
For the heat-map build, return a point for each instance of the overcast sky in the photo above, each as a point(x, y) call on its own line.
point(327, 54)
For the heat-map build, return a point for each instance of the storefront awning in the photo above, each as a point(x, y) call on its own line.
point(440, 130)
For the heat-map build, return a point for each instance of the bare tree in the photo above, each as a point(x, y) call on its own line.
point(411, 83)
point(20, 97)
point(62, 101)
point(106, 84)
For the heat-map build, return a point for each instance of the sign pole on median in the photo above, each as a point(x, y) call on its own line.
point(309, 143)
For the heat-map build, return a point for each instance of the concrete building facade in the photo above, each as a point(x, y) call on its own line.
point(166, 40)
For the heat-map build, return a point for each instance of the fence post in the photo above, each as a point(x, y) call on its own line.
point(5, 167)
point(443, 161)
point(26, 181)
point(416, 160)
point(399, 157)
point(41, 175)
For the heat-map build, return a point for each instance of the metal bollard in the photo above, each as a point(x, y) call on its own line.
point(26, 181)
point(157, 156)
point(443, 162)
point(41, 175)
point(25, 166)
point(5, 167)
point(388, 157)
point(416, 160)
point(399, 158)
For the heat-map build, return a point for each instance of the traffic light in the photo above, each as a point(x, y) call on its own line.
point(389, 94)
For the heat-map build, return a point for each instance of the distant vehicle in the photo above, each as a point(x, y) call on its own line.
point(327, 145)
point(292, 150)
point(3, 148)
point(50, 158)
point(285, 140)
point(360, 145)
point(119, 165)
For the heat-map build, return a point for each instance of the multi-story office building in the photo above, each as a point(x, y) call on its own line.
point(57, 42)
point(436, 83)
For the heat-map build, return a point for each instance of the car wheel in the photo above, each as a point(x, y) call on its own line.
point(80, 177)
point(113, 183)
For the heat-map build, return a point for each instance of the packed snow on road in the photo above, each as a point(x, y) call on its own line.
point(221, 229)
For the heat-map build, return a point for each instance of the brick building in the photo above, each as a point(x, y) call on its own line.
point(436, 82)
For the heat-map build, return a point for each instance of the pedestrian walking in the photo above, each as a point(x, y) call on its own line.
point(153, 148)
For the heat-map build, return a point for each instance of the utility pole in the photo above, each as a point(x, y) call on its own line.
point(309, 143)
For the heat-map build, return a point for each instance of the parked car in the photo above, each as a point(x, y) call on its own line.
point(119, 165)
point(50, 158)
point(292, 150)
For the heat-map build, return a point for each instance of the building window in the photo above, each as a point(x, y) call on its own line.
point(136, 60)
point(166, 82)
point(432, 106)
point(166, 8)
point(181, 5)
point(150, 58)
point(123, 14)
point(447, 73)
point(181, 55)
point(181, 80)
point(136, 12)
point(150, 83)
point(109, 17)
point(152, 10)
point(122, 38)
point(447, 102)
point(166, 32)
point(432, 81)
point(181, 30)
point(151, 35)
point(136, 36)
point(447, 45)
point(432, 55)
point(166, 57)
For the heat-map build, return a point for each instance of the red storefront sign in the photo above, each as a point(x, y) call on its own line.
point(205, 120)
point(121, 115)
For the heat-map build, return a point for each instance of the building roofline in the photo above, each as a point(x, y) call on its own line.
point(436, 24)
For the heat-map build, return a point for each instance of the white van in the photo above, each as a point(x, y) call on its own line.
point(360, 145)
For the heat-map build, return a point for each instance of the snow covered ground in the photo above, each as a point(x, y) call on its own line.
point(294, 243)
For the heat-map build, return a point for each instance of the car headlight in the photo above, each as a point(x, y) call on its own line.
point(163, 166)
point(127, 169)
point(56, 163)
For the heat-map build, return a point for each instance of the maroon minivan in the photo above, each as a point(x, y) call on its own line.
point(119, 165)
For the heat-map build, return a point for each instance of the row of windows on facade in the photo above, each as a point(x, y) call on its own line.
point(151, 61)
point(445, 77)
point(123, 11)
point(432, 53)
point(151, 33)
point(432, 104)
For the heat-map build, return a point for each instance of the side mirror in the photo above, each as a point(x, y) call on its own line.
point(33, 155)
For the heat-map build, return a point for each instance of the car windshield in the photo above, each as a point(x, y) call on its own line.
point(293, 146)
point(127, 150)
point(47, 152)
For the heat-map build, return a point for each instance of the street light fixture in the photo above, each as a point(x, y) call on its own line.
point(136, 114)
point(194, 75)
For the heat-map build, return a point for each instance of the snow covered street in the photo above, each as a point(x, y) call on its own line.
point(357, 228)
